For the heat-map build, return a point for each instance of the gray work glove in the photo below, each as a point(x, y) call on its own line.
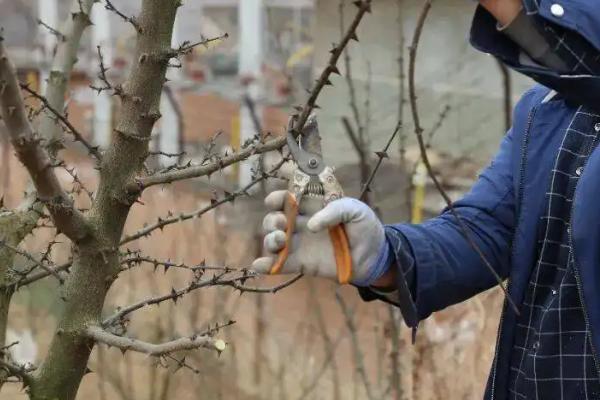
point(311, 251)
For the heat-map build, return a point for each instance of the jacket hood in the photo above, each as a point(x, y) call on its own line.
point(581, 16)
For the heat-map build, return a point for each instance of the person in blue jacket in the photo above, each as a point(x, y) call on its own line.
point(532, 213)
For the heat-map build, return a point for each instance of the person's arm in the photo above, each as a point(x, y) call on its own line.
point(443, 267)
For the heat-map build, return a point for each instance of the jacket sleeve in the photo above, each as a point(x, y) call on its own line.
point(438, 266)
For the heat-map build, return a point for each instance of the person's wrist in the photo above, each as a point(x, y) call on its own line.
point(378, 268)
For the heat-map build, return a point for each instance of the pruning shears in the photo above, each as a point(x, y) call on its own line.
point(312, 178)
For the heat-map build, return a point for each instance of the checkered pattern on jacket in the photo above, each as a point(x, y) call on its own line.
point(578, 54)
point(552, 356)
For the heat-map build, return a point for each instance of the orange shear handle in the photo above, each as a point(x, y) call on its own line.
point(341, 251)
point(339, 241)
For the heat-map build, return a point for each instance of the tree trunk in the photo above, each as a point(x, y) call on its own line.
point(95, 261)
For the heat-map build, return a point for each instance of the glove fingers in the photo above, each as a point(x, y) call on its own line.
point(275, 200)
point(275, 241)
point(263, 265)
point(274, 221)
point(337, 212)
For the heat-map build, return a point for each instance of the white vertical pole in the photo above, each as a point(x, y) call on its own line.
point(102, 123)
point(250, 66)
point(48, 13)
point(168, 140)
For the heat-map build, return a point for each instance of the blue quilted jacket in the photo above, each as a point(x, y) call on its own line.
point(503, 208)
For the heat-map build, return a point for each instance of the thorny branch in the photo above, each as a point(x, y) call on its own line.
point(438, 125)
point(38, 275)
point(364, 6)
point(49, 270)
point(381, 155)
point(27, 145)
point(186, 47)
point(423, 149)
point(110, 7)
point(52, 30)
point(222, 279)
point(133, 259)
point(77, 136)
point(102, 70)
point(228, 198)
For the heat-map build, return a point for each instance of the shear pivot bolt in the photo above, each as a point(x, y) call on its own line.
point(313, 163)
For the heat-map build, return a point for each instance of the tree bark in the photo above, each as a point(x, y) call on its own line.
point(96, 261)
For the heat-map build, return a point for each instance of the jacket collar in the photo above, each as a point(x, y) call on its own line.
point(579, 89)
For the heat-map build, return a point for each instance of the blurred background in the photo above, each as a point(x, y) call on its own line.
point(309, 341)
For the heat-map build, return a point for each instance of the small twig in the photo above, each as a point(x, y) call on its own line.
point(381, 155)
point(34, 277)
point(77, 136)
point(110, 7)
point(187, 47)
point(53, 31)
point(437, 126)
point(268, 290)
point(165, 154)
point(358, 354)
point(102, 75)
point(50, 270)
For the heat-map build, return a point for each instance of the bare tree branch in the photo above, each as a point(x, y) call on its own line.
point(77, 136)
point(187, 47)
point(224, 278)
point(38, 275)
point(205, 170)
point(229, 197)
point(364, 6)
point(50, 270)
point(380, 155)
point(60, 74)
point(12, 109)
point(100, 335)
point(438, 125)
point(22, 372)
point(357, 352)
point(132, 20)
point(52, 30)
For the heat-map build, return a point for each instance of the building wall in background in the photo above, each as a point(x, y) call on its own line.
point(449, 72)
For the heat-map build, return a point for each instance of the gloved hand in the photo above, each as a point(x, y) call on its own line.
point(311, 251)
